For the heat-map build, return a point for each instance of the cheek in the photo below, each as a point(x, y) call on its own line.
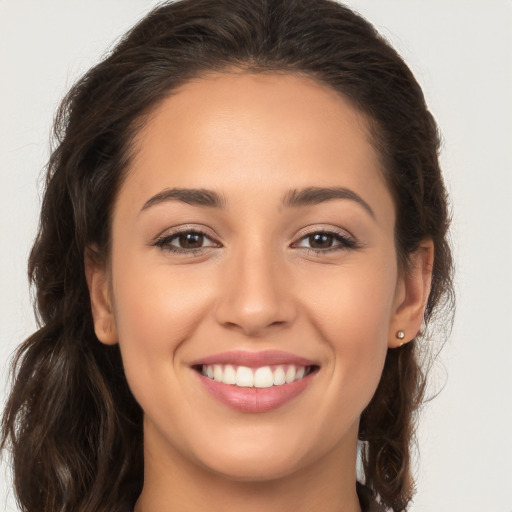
point(354, 304)
point(153, 311)
point(352, 311)
point(156, 310)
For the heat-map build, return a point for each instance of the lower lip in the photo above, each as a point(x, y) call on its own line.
point(254, 399)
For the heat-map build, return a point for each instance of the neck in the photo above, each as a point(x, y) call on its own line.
point(174, 483)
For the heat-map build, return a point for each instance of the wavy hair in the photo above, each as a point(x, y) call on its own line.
point(71, 422)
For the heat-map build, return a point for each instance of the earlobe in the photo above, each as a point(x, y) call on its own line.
point(101, 304)
point(411, 296)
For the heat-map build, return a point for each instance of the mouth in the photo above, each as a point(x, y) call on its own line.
point(255, 382)
point(260, 377)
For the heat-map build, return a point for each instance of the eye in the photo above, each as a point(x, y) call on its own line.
point(325, 241)
point(190, 241)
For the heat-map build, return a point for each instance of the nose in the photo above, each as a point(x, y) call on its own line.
point(256, 294)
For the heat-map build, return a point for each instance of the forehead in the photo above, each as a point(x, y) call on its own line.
point(258, 104)
point(258, 131)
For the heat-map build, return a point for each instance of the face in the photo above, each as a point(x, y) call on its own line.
point(252, 283)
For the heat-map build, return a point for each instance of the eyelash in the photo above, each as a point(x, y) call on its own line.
point(164, 242)
point(344, 242)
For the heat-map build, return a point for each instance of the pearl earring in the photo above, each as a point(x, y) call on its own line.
point(400, 335)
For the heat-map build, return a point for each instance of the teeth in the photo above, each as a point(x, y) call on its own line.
point(244, 377)
point(279, 376)
point(217, 372)
point(263, 377)
point(290, 374)
point(229, 375)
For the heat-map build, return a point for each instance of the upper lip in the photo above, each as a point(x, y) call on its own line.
point(254, 359)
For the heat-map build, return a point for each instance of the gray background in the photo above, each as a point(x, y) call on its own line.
point(461, 52)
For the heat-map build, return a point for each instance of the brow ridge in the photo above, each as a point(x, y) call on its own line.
point(292, 199)
point(192, 196)
point(316, 195)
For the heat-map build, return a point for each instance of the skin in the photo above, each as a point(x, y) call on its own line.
point(258, 283)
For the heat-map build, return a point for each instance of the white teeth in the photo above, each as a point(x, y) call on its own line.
point(217, 372)
point(290, 374)
point(263, 377)
point(229, 375)
point(279, 377)
point(244, 377)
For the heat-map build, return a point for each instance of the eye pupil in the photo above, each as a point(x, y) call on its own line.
point(191, 240)
point(320, 240)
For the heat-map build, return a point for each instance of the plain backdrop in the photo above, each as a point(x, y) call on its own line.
point(461, 53)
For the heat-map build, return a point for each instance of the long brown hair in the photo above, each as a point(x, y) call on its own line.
point(74, 428)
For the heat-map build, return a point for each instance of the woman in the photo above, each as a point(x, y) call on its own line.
point(243, 229)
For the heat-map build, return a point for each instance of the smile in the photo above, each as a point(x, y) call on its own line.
point(255, 382)
point(262, 377)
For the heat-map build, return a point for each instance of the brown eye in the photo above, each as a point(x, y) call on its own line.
point(326, 241)
point(320, 240)
point(186, 242)
point(190, 240)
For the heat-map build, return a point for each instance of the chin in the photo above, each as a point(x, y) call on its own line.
point(258, 457)
point(256, 469)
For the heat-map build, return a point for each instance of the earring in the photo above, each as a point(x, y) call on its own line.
point(400, 335)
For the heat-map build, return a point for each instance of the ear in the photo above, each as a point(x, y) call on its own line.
point(411, 296)
point(96, 274)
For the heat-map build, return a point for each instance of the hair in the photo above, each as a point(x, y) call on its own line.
point(71, 422)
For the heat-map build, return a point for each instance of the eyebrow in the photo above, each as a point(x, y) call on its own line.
point(292, 199)
point(316, 195)
point(193, 196)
